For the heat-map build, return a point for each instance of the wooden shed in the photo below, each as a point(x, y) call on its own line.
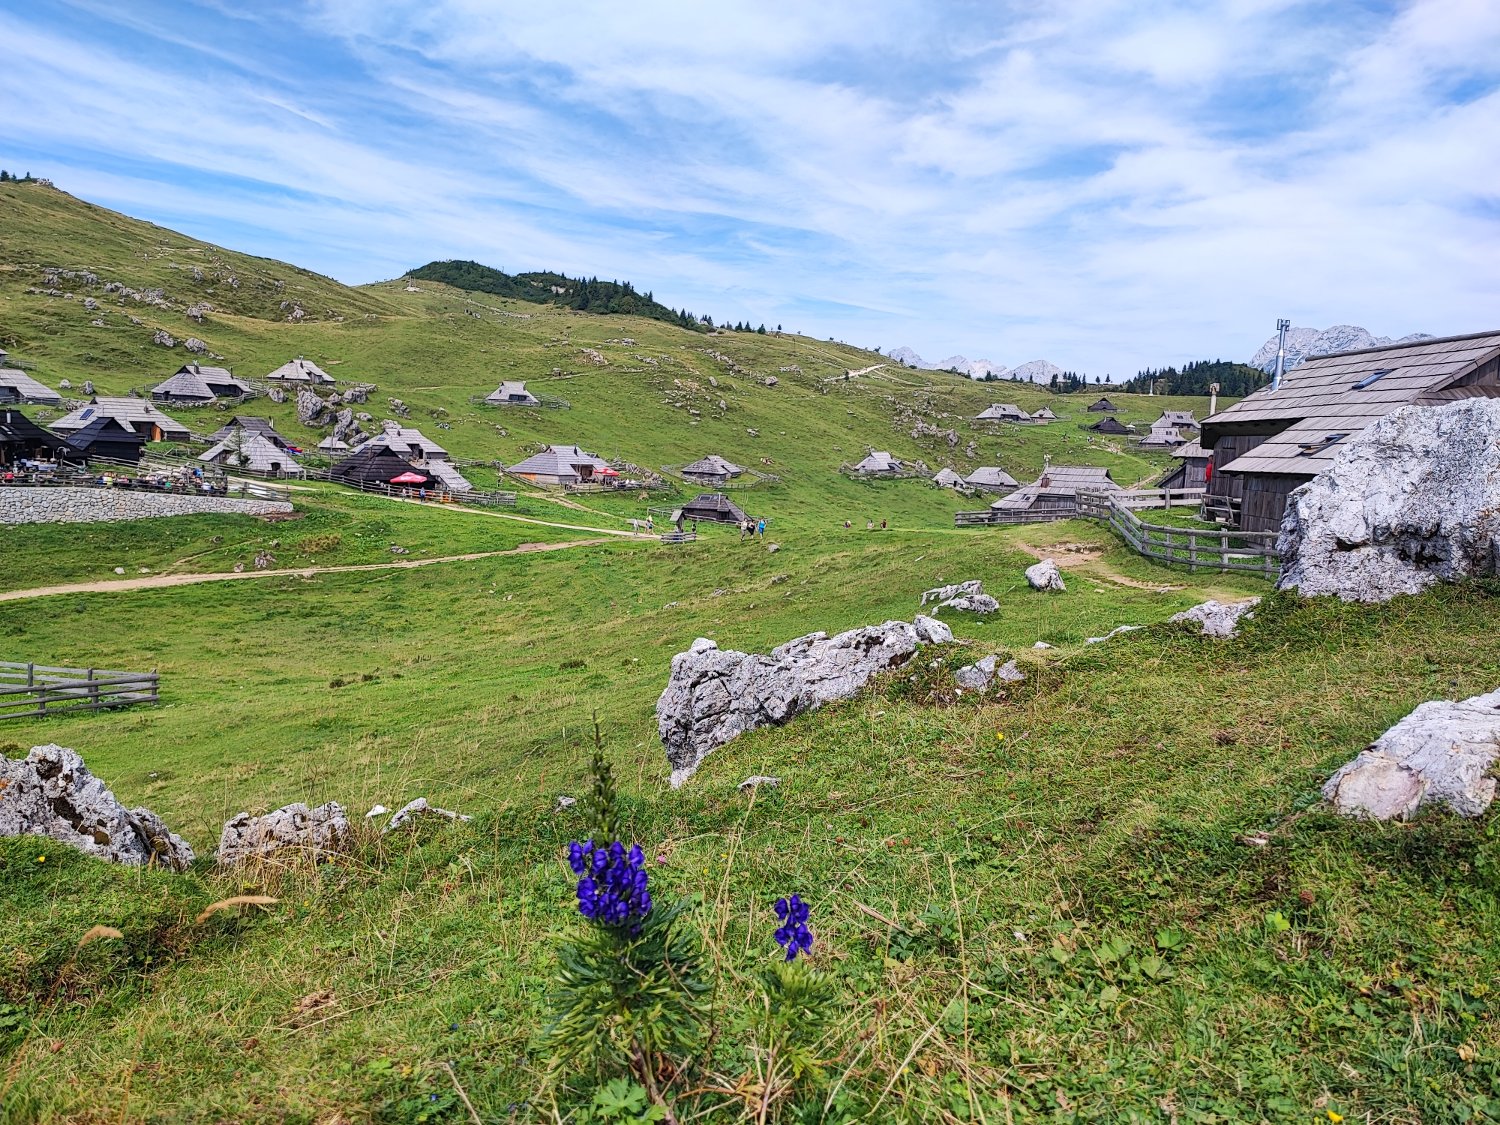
point(372, 464)
point(992, 478)
point(253, 453)
point(106, 437)
point(712, 469)
point(1104, 405)
point(559, 465)
point(712, 507)
point(1191, 470)
point(1110, 426)
point(1271, 442)
point(1002, 412)
point(17, 386)
point(1056, 491)
point(512, 394)
point(22, 439)
point(301, 370)
point(132, 413)
point(194, 384)
point(878, 462)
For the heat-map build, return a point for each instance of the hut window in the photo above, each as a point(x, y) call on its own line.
point(1372, 378)
point(1318, 446)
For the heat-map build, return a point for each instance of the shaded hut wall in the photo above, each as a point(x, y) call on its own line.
point(1226, 449)
point(1264, 498)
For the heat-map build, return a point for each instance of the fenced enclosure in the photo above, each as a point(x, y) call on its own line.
point(1194, 547)
point(37, 690)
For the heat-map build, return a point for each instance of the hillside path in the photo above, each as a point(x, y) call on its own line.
point(156, 581)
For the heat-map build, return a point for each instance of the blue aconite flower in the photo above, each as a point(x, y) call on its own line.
point(793, 933)
point(612, 883)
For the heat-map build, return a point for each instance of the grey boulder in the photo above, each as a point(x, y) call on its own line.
point(1412, 501)
point(1045, 576)
point(979, 675)
point(409, 814)
point(714, 695)
point(1440, 754)
point(957, 590)
point(1217, 619)
point(310, 833)
point(51, 793)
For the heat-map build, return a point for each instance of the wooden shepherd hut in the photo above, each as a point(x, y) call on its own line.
point(194, 384)
point(1272, 441)
point(512, 394)
point(1102, 405)
point(301, 370)
point(106, 437)
point(878, 463)
point(1002, 412)
point(133, 413)
point(21, 439)
point(1110, 426)
point(559, 465)
point(17, 386)
point(1055, 492)
point(1192, 467)
point(712, 469)
point(253, 453)
point(713, 507)
point(992, 478)
point(375, 465)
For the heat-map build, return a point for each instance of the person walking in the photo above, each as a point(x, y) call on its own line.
point(882, 525)
point(869, 525)
point(760, 528)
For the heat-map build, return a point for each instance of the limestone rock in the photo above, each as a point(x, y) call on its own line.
point(195, 345)
point(310, 408)
point(957, 590)
point(1440, 754)
point(88, 386)
point(276, 394)
point(1218, 619)
point(715, 695)
point(312, 832)
point(164, 338)
point(594, 357)
point(979, 675)
point(1412, 501)
point(1045, 576)
point(198, 311)
point(344, 425)
point(1042, 644)
point(972, 603)
point(408, 815)
point(756, 780)
point(1115, 632)
point(51, 793)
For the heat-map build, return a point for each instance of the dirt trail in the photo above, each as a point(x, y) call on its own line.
point(156, 581)
point(1088, 558)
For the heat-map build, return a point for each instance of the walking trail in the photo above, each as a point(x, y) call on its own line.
point(155, 581)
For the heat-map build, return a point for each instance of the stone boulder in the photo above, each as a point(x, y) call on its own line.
point(88, 386)
point(51, 793)
point(971, 603)
point(1217, 619)
point(1412, 501)
point(163, 338)
point(313, 833)
point(310, 408)
point(957, 590)
point(195, 345)
point(409, 814)
point(1045, 576)
point(1443, 753)
point(979, 675)
point(714, 695)
point(344, 425)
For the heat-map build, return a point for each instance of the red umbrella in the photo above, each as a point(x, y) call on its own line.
point(409, 478)
point(609, 472)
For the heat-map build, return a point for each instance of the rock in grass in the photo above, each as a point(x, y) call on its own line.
point(957, 590)
point(1413, 501)
point(1440, 754)
point(714, 695)
point(1115, 632)
point(979, 675)
point(1217, 619)
point(410, 813)
point(295, 829)
point(51, 793)
point(1045, 576)
point(971, 603)
point(756, 780)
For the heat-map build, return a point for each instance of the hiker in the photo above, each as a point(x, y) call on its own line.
point(650, 526)
point(846, 525)
point(869, 525)
point(882, 525)
point(742, 531)
point(760, 528)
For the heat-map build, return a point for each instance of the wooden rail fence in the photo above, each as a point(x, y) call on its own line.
point(36, 690)
point(1194, 547)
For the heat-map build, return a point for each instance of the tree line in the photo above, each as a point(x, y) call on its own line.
point(1235, 379)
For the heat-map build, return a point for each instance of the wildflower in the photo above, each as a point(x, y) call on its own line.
point(1335, 1117)
point(793, 934)
point(41, 859)
point(612, 883)
point(999, 736)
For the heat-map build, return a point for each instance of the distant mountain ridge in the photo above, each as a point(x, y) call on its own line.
point(1034, 371)
point(1306, 343)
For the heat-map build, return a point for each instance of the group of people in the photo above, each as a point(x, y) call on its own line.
point(869, 525)
point(752, 528)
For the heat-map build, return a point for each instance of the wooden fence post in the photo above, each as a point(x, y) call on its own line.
point(93, 689)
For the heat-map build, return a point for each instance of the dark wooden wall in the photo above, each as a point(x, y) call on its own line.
point(1225, 450)
point(1263, 499)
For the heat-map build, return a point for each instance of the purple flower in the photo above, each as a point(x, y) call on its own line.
point(793, 934)
point(612, 885)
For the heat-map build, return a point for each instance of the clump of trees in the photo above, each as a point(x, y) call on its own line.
point(1235, 379)
point(7, 178)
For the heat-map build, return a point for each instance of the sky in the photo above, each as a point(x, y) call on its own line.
point(1106, 185)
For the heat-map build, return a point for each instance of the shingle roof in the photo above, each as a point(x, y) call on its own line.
point(105, 430)
point(991, 476)
point(1060, 480)
point(512, 394)
point(263, 426)
point(1005, 412)
point(301, 370)
point(1345, 393)
point(557, 460)
point(17, 429)
point(254, 452)
point(1177, 418)
point(712, 505)
point(713, 466)
point(1110, 426)
point(449, 476)
point(408, 442)
point(1045, 412)
point(27, 388)
point(195, 382)
point(878, 462)
point(1191, 449)
point(124, 409)
point(947, 478)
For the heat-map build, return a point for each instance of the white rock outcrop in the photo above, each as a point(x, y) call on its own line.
point(409, 814)
point(1217, 619)
point(967, 597)
point(1045, 576)
point(956, 590)
point(714, 695)
point(1443, 753)
point(979, 675)
point(312, 833)
point(1412, 501)
point(51, 793)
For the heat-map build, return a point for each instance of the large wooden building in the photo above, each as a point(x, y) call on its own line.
point(1268, 444)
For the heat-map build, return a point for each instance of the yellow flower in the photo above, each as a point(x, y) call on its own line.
point(999, 736)
point(1335, 1117)
point(41, 859)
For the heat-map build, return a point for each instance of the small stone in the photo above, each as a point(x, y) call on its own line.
point(410, 813)
point(1112, 633)
point(1045, 576)
point(755, 781)
point(378, 810)
point(1217, 619)
point(566, 803)
point(119, 570)
point(1041, 644)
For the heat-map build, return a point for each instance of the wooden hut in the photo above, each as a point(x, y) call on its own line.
point(1110, 426)
point(1044, 415)
point(1272, 441)
point(254, 453)
point(1180, 420)
point(408, 442)
point(375, 465)
point(712, 469)
point(559, 465)
point(194, 384)
point(133, 413)
point(301, 370)
point(1055, 492)
point(991, 478)
point(107, 437)
point(947, 478)
point(1162, 436)
point(1102, 405)
point(878, 463)
point(1002, 412)
point(713, 507)
point(17, 386)
point(262, 426)
point(1192, 467)
point(21, 439)
point(512, 394)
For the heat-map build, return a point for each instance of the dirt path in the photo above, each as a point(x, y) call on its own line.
point(156, 581)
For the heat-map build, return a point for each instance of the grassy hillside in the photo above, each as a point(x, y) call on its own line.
point(1107, 894)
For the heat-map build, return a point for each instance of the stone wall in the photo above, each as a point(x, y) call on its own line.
point(97, 505)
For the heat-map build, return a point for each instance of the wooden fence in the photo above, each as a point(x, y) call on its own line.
point(35, 690)
point(1002, 516)
point(1193, 547)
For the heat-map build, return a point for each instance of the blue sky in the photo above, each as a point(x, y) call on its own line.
point(1107, 185)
